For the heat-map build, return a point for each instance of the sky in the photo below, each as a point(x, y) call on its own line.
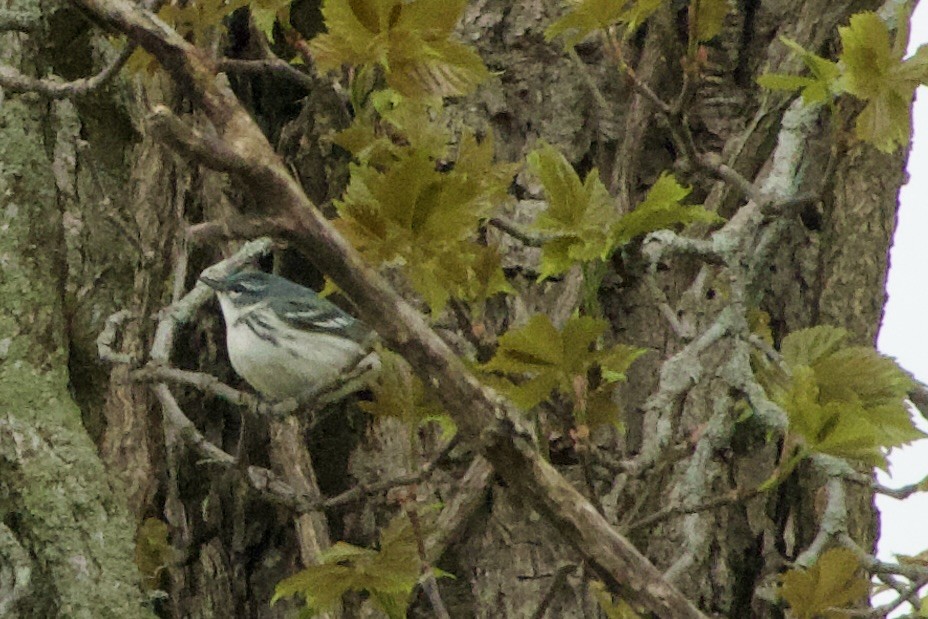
point(904, 333)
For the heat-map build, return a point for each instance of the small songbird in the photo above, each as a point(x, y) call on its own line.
point(284, 339)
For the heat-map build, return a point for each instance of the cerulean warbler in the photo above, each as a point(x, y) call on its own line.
point(283, 338)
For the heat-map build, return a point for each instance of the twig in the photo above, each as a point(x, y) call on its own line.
point(207, 383)
point(729, 498)
point(16, 82)
point(360, 491)
point(429, 585)
point(908, 595)
point(685, 332)
point(513, 230)
point(453, 519)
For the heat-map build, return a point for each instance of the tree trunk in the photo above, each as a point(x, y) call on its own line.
point(95, 213)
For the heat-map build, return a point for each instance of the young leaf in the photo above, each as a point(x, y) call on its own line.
point(554, 360)
point(388, 574)
point(412, 214)
point(827, 589)
point(587, 16)
point(613, 609)
point(875, 72)
point(409, 40)
point(847, 402)
point(820, 88)
point(578, 216)
point(583, 18)
point(661, 208)
point(710, 17)
point(806, 346)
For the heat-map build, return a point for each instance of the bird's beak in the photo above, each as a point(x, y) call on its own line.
point(216, 284)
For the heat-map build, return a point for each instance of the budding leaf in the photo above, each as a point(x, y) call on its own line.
point(409, 40)
point(550, 359)
point(388, 575)
point(399, 393)
point(415, 215)
point(587, 16)
point(875, 72)
point(710, 17)
point(827, 589)
point(844, 401)
point(820, 88)
point(661, 208)
point(578, 216)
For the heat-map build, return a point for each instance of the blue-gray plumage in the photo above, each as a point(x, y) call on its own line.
point(283, 338)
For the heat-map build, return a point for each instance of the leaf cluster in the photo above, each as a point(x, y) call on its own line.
point(409, 40)
point(388, 574)
point(581, 221)
point(872, 68)
point(844, 401)
point(408, 212)
point(827, 589)
point(549, 360)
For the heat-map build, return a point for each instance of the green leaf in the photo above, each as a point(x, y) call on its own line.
point(710, 17)
point(874, 72)
point(848, 402)
point(587, 16)
point(783, 81)
point(661, 208)
point(266, 12)
point(409, 40)
point(806, 346)
point(578, 216)
point(827, 589)
point(820, 88)
point(388, 574)
point(414, 215)
point(583, 18)
point(549, 359)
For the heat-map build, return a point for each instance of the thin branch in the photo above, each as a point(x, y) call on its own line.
point(361, 491)
point(471, 496)
point(429, 585)
point(729, 498)
point(516, 232)
point(14, 81)
point(910, 595)
point(684, 331)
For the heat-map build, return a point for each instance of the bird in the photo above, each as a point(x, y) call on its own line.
point(284, 339)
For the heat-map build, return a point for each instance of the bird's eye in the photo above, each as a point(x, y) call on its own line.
point(235, 290)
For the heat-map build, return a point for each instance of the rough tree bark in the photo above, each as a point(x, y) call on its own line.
point(95, 213)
